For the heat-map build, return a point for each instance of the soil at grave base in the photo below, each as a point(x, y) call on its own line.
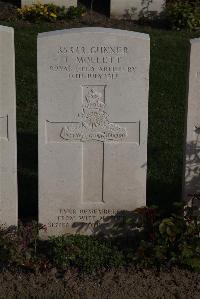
point(120, 283)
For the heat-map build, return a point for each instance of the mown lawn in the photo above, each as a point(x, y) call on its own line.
point(167, 102)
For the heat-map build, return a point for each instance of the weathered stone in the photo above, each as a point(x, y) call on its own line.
point(8, 152)
point(133, 9)
point(66, 3)
point(192, 151)
point(93, 120)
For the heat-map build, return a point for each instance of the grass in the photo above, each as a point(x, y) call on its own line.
point(167, 102)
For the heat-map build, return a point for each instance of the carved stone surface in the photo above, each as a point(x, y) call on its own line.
point(133, 9)
point(192, 150)
point(8, 153)
point(66, 3)
point(93, 120)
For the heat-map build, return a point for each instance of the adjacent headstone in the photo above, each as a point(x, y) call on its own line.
point(8, 153)
point(93, 120)
point(66, 3)
point(192, 152)
point(134, 9)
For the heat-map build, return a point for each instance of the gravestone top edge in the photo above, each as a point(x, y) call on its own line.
point(195, 40)
point(132, 34)
point(7, 29)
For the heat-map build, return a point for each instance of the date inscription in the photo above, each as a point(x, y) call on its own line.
point(91, 217)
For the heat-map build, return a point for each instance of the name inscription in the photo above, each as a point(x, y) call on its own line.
point(95, 62)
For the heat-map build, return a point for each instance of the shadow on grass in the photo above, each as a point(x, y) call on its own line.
point(164, 194)
point(14, 2)
point(27, 176)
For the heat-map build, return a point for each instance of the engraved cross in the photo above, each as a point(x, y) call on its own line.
point(94, 130)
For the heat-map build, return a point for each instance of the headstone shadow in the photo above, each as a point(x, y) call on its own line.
point(124, 227)
point(146, 15)
point(100, 6)
point(192, 173)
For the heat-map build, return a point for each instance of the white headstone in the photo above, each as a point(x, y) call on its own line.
point(66, 3)
point(135, 8)
point(192, 152)
point(8, 153)
point(93, 120)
